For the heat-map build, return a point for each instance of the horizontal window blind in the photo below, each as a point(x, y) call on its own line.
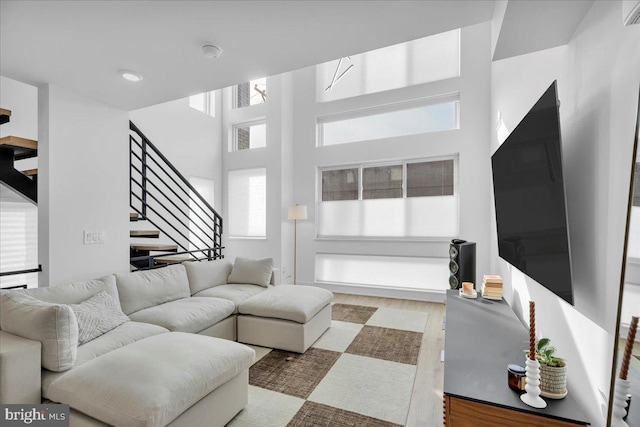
point(410, 217)
point(18, 242)
point(247, 203)
point(388, 271)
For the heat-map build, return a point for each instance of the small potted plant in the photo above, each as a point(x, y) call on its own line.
point(553, 370)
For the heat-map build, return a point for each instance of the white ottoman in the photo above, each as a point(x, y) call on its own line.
point(153, 381)
point(285, 317)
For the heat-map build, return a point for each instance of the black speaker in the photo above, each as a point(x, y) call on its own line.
point(462, 263)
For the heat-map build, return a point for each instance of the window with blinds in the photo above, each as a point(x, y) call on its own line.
point(18, 242)
point(403, 199)
point(247, 216)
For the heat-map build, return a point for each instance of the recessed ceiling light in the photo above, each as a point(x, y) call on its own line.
point(131, 76)
point(211, 51)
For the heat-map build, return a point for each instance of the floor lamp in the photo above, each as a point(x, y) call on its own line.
point(295, 213)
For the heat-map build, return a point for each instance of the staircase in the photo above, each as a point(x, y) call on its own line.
point(15, 185)
point(23, 184)
point(166, 208)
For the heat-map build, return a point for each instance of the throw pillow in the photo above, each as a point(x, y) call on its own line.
point(207, 274)
point(54, 325)
point(97, 316)
point(251, 271)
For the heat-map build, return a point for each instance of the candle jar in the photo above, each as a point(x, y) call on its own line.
point(467, 288)
point(516, 378)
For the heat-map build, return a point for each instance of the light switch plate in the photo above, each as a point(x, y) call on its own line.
point(94, 237)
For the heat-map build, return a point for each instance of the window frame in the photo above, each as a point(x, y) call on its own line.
point(233, 143)
point(453, 97)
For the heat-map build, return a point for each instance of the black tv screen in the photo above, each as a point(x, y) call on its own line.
point(529, 195)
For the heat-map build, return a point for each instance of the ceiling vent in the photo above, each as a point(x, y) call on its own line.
point(631, 12)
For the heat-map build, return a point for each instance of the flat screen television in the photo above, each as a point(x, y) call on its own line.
point(529, 193)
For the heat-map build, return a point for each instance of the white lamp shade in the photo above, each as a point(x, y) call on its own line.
point(298, 212)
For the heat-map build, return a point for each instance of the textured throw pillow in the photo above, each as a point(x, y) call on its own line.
point(251, 271)
point(54, 325)
point(97, 315)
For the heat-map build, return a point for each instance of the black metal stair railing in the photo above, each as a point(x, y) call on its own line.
point(160, 194)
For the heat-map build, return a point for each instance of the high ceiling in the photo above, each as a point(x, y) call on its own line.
point(81, 45)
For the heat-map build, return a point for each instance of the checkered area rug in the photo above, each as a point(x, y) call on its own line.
point(359, 373)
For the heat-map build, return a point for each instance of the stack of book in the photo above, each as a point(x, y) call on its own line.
point(492, 286)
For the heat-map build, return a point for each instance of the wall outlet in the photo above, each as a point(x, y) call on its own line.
point(94, 237)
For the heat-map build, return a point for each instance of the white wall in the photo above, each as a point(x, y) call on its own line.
point(83, 185)
point(597, 75)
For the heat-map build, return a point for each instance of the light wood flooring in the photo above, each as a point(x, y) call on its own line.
point(426, 401)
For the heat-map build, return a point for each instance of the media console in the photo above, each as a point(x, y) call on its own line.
point(481, 338)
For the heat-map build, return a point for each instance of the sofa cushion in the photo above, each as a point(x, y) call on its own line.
point(121, 336)
point(97, 315)
point(152, 381)
point(192, 314)
point(74, 293)
point(236, 293)
point(288, 302)
point(251, 271)
point(54, 325)
point(207, 274)
point(144, 289)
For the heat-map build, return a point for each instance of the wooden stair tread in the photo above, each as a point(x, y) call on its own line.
point(133, 214)
point(23, 148)
point(5, 112)
point(153, 247)
point(144, 233)
point(172, 259)
point(30, 172)
point(16, 141)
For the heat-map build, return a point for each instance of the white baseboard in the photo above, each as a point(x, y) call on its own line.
point(380, 291)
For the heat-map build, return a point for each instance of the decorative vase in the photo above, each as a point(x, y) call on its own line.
point(553, 380)
point(620, 393)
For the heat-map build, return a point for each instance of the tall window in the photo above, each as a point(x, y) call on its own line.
point(204, 102)
point(407, 118)
point(408, 199)
point(248, 203)
point(251, 93)
point(249, 135)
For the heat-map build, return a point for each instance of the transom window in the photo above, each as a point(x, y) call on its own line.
point(250, 93)
point(389, 121)
point(204, 102)
point(251, 135)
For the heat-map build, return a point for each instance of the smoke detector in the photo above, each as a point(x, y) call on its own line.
point(211, 51)
point(631, 12)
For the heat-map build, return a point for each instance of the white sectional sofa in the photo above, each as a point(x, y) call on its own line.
point(170, 359)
